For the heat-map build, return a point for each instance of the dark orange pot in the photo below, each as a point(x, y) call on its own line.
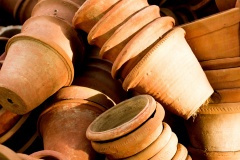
point(63, 127)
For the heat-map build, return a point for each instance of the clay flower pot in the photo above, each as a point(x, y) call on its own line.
point(114, 124)
point(139, 45)
point(62, 9)
point(168, 152)
point(224, 78)
point(199, 154)
point(125, 146)
point(222, 63)
point(25, 10)
point(171, 84)
point(49, 154)
point(124, 34)
point(11, 6)
point(181, 153)
point(90, 12)
point(63, 127)
point(156, 146)
point(201, 36)
point(215, 128)
point(113, 19)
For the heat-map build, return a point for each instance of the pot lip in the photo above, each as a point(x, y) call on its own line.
point(135, 75)
point(219, 108)
point(15, 128)
point(52, 153)
point(125, 127)
point(57, 106)
point(217, 18)
point(121, 60)
point(52, 46)
point(100, 26)
point(44, 2)
point(88, 97)
point(123, 33)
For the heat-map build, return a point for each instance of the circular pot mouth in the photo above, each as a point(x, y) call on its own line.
point(121, 118)
point(48, 155)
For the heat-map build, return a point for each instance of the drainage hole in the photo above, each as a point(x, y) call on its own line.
point(10, 101)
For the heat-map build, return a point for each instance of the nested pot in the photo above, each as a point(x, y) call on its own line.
point(221, 63)
point(201, 36)
point(139, 45)
point(199, 154)
point(156, 146)
point(216, 128)
point(181, 153)
point(62, 9)
point(113, 46)
point(113, 19)
point(224, 78)
point(125, 146)
point(171, 84)
point(90, 12)
point(63, 127)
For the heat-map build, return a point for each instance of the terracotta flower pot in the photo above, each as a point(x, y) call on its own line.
point(139, 45)
point(154, 67)
point(113, 19)
point(85, 93)
point(11, 6)
point(215, 128)
point(62, 9)
point(201, 36)
point(69, 138)
point(142, 137)
point(198, 154)
point(222, 63)
point(168, 151)
point(181, 153)
point(25, 10)
point(156, 146)
point(49, 154)
point(224, 78)
point(90, 13)
point(125, 33)
point(114, 124)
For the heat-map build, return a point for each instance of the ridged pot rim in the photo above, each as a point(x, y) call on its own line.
point(74, 92)
point(136, 74)
point(60, 106)
point(220, 108)
point(53, 47)
point(129, 50)
point(144, 111)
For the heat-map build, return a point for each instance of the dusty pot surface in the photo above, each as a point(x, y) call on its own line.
point(113, 46)
point(222, 63)
point(215, 128)
point(142, 137)
point(224, 78)
point(62, 9)
point(198, 154)
point(139, 45)
point(113, 19)
point(122, 118)
point(153, 75)
point(156, 146)
point(69, 138)
point(90, 12)
point(201, 36)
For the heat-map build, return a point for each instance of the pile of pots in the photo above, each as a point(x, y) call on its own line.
point(88, 79)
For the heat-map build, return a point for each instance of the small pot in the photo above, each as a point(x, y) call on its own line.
point(171, 84)
point(113, 19)
point(125, 33)
point(216, 128)
point(90, 12)
point(201, 36)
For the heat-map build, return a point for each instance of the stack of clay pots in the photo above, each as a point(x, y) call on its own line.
point(133, 129)
point(141, 50)
point(214, 132)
